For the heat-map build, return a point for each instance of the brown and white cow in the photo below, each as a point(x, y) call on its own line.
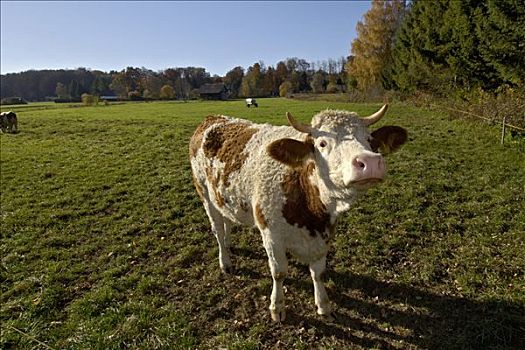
point(292, 183)
point(8, 122)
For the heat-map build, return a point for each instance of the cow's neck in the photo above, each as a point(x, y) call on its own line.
point(336, 201)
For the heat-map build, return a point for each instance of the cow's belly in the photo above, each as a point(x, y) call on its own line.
point(304, 247)
point(239, 213)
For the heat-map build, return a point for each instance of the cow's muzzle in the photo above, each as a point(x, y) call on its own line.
point(367, 169)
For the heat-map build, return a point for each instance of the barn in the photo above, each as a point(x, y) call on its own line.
point(214, 92)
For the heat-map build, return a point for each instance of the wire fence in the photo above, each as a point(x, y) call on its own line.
point(504, 124)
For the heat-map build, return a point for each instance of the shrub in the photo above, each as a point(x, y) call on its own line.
point(13, 101)
point(135, 96)
point(505, 102)
point(89, 100)
point(285, 89)
point(167, 92)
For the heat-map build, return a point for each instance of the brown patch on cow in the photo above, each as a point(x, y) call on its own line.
point(227, 142)
point(291, 152)
point(388, 139)
point(213, 181)
point(303, 206)
point(260, 217)
point(196, 139)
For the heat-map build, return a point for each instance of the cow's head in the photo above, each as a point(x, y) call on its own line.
point(346, 153)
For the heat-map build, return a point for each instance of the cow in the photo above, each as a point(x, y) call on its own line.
point(8, 122)
point(251, 102)
point(291, 182)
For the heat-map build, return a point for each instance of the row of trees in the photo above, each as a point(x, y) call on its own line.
point(432, 46)
point(439, 46)
point(131, 82)
point(289, 76)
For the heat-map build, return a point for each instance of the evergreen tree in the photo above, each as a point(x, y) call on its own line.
point(74, 90)
point(500, 28)
point(444, 45)
point(420, 53)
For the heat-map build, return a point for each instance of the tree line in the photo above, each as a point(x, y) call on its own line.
point(438, 47)
point(288, 76)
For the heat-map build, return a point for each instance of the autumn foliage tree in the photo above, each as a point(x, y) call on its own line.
point(167, 92)
point(372, 49)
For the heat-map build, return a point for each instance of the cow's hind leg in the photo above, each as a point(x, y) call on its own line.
point(220, 227)
point(227, 229)
point(317, 270)
point(279, 269)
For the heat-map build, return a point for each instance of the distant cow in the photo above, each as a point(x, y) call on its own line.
point(251, 102)
point(292, 183)
point(8, 122)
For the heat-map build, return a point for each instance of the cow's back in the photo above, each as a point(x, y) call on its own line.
point(231, 167)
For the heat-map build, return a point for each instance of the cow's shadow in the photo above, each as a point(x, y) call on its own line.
point(422, 319)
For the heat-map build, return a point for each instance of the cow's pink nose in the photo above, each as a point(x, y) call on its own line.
point(369, 166)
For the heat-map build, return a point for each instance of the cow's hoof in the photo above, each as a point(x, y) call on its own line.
point(278, 316)
point(330, 317)
point(227, 269)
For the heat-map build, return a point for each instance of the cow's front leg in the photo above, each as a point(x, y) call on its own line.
point(279, 269)
point(317, 270)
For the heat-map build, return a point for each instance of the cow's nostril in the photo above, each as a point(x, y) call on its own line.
point(359, 164)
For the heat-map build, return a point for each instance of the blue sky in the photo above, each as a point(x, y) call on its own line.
point(157, 35)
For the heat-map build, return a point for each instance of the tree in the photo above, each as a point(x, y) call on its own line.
point(500, 27)
point(268, 86)
point(167, 92)
point(372, 49)
point(318, 82)
point(152, 83)
point(119, 85)
point(233, 80)
point(444, 45)
point(74, 90)
point(61, 91)
point(281, 73)
point(285, 88)
point(419, 52)
point(332, 86)
point(252, 81)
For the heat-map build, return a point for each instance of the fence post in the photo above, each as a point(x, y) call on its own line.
point(503, 130)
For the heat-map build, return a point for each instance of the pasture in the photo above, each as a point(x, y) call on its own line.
point(105, 244)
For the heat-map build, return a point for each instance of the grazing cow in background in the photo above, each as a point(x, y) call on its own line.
point(8, 122)
point(292, 183)
point(251, 102)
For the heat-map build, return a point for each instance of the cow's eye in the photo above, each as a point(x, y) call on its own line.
point(374, 144)
point(322, 144)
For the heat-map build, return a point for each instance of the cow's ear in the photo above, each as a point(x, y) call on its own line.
point(290, 152)
point(388, 139)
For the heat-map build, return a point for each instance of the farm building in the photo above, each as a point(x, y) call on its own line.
point(214, 92)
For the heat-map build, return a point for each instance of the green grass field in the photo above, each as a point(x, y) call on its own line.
point(105, 244)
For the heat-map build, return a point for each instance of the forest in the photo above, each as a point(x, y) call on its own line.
point(469, 50)
point(176, 83)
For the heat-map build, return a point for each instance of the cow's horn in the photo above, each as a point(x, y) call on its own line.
point(297, 125)
point(374, 118)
